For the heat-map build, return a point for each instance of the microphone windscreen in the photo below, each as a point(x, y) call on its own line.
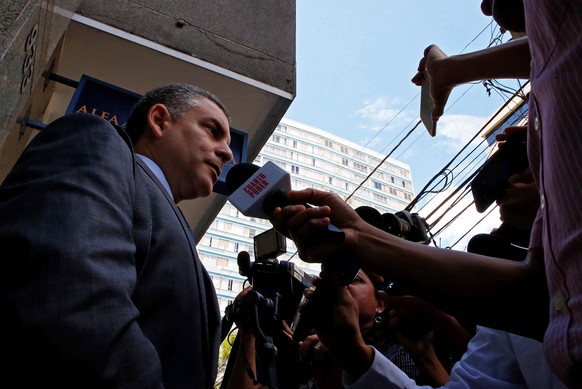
point(238, 174)
point(243, 261)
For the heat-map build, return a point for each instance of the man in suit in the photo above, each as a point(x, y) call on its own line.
point(81, 306)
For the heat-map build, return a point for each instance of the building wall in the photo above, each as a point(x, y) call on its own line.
point(31, 31)
point(254, 39)
point(253, 42)
point(315, 159)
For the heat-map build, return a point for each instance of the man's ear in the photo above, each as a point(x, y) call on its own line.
point(157, 118)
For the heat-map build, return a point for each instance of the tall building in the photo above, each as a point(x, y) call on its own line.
point(314, 159)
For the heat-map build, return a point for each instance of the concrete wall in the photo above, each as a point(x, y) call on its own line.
point(31, 31)
point(254, 38)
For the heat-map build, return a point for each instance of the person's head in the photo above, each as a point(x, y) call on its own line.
point(509, 14)
point(365, 289)
point(185, 130)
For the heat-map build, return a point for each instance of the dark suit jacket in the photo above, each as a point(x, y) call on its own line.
point(73, 313)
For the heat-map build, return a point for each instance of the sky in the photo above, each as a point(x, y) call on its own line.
point(355, 60)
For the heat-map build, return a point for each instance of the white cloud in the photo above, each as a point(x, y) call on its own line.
point(455, 131)
point(381, 111)
point(384, 114)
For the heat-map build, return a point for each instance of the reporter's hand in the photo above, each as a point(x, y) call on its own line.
point(519, 132)
point(336, 321)
point(304, 225)
point(431, 67)
point(519, 203)
point(242, 318)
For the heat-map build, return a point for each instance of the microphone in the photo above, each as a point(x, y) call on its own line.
point(243, 261)
point(257, 191)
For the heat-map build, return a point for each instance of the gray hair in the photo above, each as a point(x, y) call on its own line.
point(178, 98)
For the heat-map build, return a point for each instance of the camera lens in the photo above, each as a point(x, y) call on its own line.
point(395, 225)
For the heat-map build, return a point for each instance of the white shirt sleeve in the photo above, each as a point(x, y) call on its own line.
point(490, 362)
point(383, 374)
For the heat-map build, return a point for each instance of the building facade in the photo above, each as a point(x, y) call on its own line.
point(314, 159)
point(243, 53)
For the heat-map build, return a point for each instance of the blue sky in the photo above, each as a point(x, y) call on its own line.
point(355, 60)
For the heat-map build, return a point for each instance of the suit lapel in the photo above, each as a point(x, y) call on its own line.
point(200, 272)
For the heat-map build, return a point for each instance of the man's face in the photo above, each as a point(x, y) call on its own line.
point(195, 150)
point(509, 14)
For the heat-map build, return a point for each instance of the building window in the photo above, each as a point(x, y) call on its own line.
point(403, 184)
point(222, 244)
point(277, 138)
point(392, 180)
point(360, 166)
point(344, 150)
point(295, 143)
point(377, 185)
point(313, 161)
point(295, 169)
point(328, 144)
point(229, 285)
point(330, 179)
point(379, 198)
point(345, 161)
point(393, 191)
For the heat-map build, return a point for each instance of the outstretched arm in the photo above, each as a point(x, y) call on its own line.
point(490, 291)
point(508, 60)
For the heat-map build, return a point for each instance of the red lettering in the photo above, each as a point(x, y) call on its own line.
point(247, 191)
point(256, 186)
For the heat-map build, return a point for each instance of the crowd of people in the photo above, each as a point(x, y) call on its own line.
point(102, 285)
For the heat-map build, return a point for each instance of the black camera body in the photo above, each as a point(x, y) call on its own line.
point(407, 225)
point(277, 290)
point(404, 224)
point(273, 278)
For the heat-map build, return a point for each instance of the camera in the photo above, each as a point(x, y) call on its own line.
point(269, 276)
point(404, 224)
point(277, 290)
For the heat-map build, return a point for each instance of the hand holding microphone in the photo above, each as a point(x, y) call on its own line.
point(257, 191)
